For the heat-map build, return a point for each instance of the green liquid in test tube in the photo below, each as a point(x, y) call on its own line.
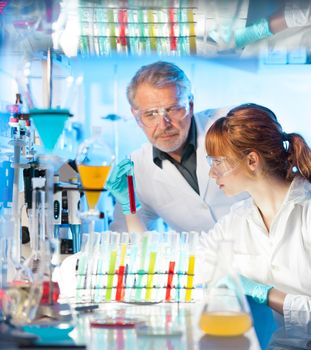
point(141, 270)
point(111, 272)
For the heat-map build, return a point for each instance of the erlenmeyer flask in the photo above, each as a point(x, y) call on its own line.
point(226, 311)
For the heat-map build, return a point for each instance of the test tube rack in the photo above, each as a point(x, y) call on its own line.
point(148, 268)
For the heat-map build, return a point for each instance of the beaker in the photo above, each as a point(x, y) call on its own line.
point(226, 311)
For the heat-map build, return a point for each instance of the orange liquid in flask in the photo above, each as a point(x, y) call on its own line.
point(93, 177)
point(225, 323)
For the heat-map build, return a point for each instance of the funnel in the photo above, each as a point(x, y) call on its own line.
point(49, 124)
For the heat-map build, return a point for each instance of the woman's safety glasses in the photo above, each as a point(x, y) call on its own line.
point(222, 166)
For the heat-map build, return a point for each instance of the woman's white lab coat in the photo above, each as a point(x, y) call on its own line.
point(164, 193)
point(281, 258)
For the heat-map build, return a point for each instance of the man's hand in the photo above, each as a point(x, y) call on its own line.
point(117, 184)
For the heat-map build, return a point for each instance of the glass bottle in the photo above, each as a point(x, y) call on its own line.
point(226, 311)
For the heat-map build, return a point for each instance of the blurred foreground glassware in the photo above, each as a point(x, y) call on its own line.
point(21, 288)
point(226, 311)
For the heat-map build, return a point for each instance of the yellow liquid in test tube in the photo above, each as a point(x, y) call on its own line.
point(225, 323)
point(93, 177)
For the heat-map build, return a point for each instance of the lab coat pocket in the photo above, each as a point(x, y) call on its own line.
point(251, 266)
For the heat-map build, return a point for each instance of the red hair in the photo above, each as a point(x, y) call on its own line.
point(252, 127)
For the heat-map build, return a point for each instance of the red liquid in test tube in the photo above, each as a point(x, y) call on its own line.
point(170, 280)
point(130, 185)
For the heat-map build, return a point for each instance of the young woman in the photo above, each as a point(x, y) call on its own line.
point(271, 230)
point(248, 151)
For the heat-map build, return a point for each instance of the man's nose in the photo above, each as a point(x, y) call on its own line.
point(164, 121)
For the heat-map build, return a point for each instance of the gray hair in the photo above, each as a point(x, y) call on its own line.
point(160, 74)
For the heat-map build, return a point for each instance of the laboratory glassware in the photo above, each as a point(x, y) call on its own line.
point(226, 311)
point(21, 288)
point(94, 160)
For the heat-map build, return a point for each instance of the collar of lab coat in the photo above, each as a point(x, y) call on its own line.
point(203, 121)
point(299, 191)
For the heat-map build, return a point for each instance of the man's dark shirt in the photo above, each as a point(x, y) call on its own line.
point(188, 164)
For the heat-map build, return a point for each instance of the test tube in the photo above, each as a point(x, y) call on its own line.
point(154, 240)
point(102, 265)
point(114, 239)
point(141, 270)
point(172, 244)
point(192, 36)
point(82, 267)
point(133, 249)
point(130, 184)
point(152, 31)
point(184, 236)
point(192, 243)
point(121, 271)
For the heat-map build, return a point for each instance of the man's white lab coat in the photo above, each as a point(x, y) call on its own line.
point(281, 258)
point(164, 193)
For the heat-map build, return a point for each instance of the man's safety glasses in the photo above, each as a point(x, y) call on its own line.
point(151, 117)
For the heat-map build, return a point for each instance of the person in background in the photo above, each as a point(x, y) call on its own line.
point(170, 170)
point(248, 151)
point(293, 14)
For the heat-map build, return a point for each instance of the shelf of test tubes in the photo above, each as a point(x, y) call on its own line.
point(138, 268)
point(137, 30)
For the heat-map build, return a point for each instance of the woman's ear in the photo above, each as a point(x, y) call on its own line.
point(253, 161)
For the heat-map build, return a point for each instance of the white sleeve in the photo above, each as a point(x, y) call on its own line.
point(118, 224)
point(297, 314)
point(297, 13)
point(207, 250)
point(146, 216)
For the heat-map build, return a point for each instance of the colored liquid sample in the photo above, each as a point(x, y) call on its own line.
point(93, 177)
point(151, 269)
point(111, 272)
point(130, 185)
point(190, 277)
point(225, 323)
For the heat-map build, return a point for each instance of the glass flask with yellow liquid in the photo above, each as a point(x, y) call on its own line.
point(226, 312)
point(94, 161)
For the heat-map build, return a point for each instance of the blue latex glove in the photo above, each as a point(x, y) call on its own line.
point(258, 291)
point(255, 32)
point(117, 184)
